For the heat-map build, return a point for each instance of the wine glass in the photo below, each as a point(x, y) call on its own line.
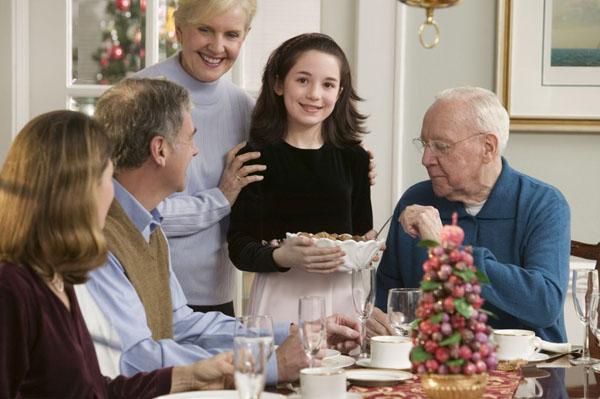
point(259, 326)
point(582, 298)
point(401, 307)
point(595, 320)
point(363, 295)
point(311, 317)
point(250, 366)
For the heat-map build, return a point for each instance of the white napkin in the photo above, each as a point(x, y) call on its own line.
point(557, 348)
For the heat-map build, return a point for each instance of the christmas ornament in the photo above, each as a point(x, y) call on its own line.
point(122, 5)
point(143, 5)
point(116, 52)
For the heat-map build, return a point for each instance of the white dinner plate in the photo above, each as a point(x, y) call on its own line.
point(337, 362)
point(367, 364)
point(349, 395)
point(372, 378)
point(538, 357)
point(217, 395)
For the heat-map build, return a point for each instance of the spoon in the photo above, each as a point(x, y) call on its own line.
point(383, 227)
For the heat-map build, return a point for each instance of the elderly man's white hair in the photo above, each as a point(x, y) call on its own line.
point(489, 114)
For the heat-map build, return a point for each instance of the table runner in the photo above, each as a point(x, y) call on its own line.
point(501, 384)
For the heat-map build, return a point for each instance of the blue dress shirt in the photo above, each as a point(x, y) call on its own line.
point(196, 336)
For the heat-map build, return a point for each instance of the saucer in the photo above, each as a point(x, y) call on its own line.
point(330, 353)
point(337, 362)
point(376, 378)
point(349, 395)
point(367, 364)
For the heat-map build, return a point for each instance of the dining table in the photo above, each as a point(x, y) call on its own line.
point(557, 379)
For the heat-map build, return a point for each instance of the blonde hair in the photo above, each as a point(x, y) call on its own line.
point(196, 12)
point(48, 189)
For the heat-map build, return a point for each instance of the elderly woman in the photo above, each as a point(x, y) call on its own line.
point(55, 191)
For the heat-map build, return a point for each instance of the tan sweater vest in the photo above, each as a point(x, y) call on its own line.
point(146, 265)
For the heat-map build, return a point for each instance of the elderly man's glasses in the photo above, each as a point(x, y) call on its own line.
point(439, 147)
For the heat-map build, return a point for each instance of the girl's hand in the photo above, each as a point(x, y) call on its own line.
point(300, 252)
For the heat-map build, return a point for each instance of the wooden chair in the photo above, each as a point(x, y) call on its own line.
point(590, 252)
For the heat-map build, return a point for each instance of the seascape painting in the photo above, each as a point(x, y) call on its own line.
point(575, 33)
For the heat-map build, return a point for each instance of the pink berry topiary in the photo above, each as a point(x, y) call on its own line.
point(450, 335)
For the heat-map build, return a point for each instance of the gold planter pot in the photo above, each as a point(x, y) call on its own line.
point(456, 386)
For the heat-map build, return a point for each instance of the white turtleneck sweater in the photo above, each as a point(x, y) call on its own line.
point(196, 220)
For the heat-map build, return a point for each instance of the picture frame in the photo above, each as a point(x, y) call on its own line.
point(539, 91)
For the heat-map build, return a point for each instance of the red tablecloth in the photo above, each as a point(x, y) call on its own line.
point(501, 384)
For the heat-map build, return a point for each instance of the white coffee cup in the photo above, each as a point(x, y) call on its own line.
point(322, 382)
point(529, 388)
point(391, 351)
point(516, 344)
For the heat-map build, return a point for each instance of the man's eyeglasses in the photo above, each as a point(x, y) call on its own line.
point(439, 147)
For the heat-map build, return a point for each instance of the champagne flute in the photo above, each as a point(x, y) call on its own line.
point(311, 317)
point(582, 298)
point(259, 326)
point(401, 307)
point(363, 295)
point(250, 366)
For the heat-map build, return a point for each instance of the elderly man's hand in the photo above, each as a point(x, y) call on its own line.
point(291, 357)
point(378, 324)
point(421, 221)
point(343, 332)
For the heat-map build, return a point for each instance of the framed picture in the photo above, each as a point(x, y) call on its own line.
point(548, 64)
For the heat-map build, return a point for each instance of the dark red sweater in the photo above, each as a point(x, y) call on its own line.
point(46, 350)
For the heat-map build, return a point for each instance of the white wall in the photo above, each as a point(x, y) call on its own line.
point(6, 72)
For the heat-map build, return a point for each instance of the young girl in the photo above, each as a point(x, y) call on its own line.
point(307, 130)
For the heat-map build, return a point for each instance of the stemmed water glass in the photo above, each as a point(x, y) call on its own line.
point(363, 295)
point(311, 317)
point(252, 347)
point(583, 293)
point(259, 326)
point(401, 307)
point(250, 366)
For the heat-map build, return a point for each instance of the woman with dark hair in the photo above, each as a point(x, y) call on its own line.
point(308, 131)
point(55, 191)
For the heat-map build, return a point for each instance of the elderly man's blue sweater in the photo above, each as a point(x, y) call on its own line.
point(521, 240)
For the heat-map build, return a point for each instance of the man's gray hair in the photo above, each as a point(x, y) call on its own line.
point(134, 111)
point(488, 113)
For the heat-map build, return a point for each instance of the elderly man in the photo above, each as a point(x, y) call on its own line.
point(518, 226)
point(150, 124)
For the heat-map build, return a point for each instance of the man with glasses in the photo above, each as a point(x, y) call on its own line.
point(519, 227)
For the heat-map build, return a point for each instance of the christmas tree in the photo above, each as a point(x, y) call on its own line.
point(450, 334)
point(123, 40)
